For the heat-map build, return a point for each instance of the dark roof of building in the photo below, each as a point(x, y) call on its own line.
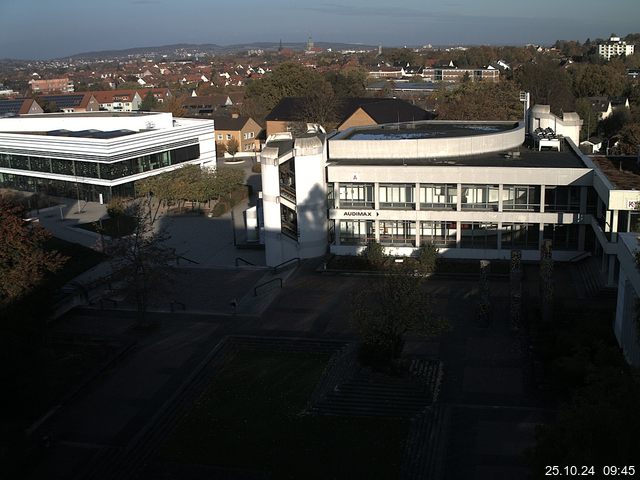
point(89, 133)
point(72, 100)
point(393, 110)
point(11, 107)
point(622, 172)
point(230, 123)
point(380, 109)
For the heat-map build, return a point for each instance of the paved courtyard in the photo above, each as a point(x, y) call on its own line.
point(488, 401)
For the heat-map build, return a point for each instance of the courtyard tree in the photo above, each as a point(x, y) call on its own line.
point(23, 260)
point(141, 262)
point(389, 308)
point(427, 257)
point(149, 101)
point(232, 146)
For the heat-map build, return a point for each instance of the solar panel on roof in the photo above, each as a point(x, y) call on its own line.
point(10, 106)
point(63, 101)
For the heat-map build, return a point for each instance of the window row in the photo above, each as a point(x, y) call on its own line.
point(476, 235)
point(445, 197)
point(105, 171)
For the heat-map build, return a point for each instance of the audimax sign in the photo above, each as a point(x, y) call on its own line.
point(360, 214)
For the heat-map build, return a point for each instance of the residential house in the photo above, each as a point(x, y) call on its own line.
point(19, 106)
point(51, 85)
point(71, 102)
point(351, 112)
point(118, 100)
point(206, 105)
point(244, 130)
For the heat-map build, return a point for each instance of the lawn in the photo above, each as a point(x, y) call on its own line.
point(250, 417)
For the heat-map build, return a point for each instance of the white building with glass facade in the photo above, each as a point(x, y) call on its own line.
point(473, 189)
point(97, 155)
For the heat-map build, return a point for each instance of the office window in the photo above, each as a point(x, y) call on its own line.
point(480, 197)
point(439, 233)
point(521, 197)
point(520, 236)
point(396, 196)
point(356, 195)
point(479, 235)
point(438, 197)
point(356, 232)
point(562, 199)
point(399, 233)
point(563, 237)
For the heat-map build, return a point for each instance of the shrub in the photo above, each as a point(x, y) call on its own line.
point(427, 258)
point(374, 254)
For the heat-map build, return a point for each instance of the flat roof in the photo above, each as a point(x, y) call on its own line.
point(406, 131)
point(526, 158)
point(88, 114)
point(622, 172)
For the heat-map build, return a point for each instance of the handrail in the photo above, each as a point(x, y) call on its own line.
point(255, 290)
point(275, 269)
point(180, 257)
point(243, 260)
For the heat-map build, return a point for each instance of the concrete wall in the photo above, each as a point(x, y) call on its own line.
point(82, 121)
point(625, 326)
point(567, 126)
point(427, 147)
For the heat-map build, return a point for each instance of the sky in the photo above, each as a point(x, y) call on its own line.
point(44, 29)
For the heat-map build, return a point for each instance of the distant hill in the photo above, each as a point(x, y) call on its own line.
point(183, 49)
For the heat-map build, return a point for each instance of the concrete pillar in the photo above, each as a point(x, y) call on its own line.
point(376, 196)
point(336, 232)
point(417, 233)
point(542, 198)
point(540, 236)
point(458, 226)
point(377, 229)
point(416, 196)
point(614, 225)
point(500, 187)
point(336, 194)
point(459, 203)
point(611, 271)
point(500, 226)
point(583, 200)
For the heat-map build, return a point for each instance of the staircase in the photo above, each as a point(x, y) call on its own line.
point(587, 275)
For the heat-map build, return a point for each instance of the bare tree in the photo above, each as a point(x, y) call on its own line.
point(141, 261)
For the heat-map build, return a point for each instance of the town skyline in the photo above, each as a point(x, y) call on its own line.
point(67, 29)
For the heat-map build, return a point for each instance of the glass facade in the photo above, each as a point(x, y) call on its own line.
point(397, 195)
point(479, 235)
point(562, 199)
point(439, 197)
point(356, 195)
point(289, 221)
point(563, 237)
point(399, 233)
point(521, 197)
point(480, 197)
point(439, 233)
point(521, 236)
point(104, 171)
point(356, 232)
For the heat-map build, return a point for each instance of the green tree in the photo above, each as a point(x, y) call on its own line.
point(149, 102)
point(629, 140)
point(374, 254)
point(23, 260)
point(548, 83)
point(481, 101)
point(427, 257)
point(287, 80)
point(389, 308)
point(232, 146)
